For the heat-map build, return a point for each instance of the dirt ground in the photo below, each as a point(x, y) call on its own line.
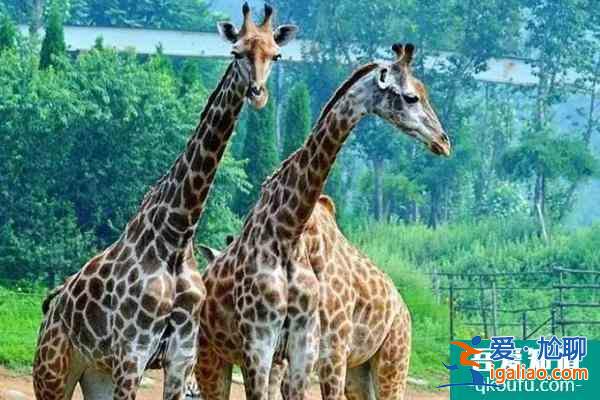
point(19, 387)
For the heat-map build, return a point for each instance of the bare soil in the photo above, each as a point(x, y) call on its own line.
point(152, 390)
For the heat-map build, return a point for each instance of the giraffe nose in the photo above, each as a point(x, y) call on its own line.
point(254, 90)
point(441, 147)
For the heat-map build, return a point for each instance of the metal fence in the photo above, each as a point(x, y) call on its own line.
point(549, 301)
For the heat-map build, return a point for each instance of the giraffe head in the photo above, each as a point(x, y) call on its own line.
point(255, 48)
point(403, 101)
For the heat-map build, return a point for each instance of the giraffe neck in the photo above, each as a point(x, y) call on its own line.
point(176, 203)
point(295, 188)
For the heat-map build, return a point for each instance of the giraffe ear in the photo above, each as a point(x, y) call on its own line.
point(285, 34)
point(229, 239)
point(209, 253)
point(383, 78)
point(228, 32)
point(409, 51)
point(328, 203)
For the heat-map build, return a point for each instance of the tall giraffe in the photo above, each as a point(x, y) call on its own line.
point(139, 300)
point(365, 324)
point(262, 295)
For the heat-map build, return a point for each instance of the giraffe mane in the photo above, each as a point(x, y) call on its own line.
point(211, 99)
point(343, 89)
point(358, 74)
point(213, 95)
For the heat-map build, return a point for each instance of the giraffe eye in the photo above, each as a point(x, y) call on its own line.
point(277, 57)
point(410, 98)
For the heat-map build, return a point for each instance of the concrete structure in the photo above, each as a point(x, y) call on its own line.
point(203, 44)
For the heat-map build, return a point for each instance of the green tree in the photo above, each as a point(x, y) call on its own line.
point(8, 33)
point(40, 238)
point(296, 119)
point(106, 126)
point(545, 154)
point(260, 151)
point(160, 14)
point(556, 54)
point(53, 45)
point(190, 75)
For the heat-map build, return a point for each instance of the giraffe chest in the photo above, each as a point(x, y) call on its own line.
point(121, 310)
point(253, 299)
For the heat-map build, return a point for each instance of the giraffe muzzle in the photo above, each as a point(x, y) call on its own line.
point(255, 91)
point(441, 146)
point(257, 95)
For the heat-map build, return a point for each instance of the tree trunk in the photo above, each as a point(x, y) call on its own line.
point(414, 212)
point(539, 204)
point(378, 188)
point(590, 125)
point(434, 208)
point(36, 17)
point(591, 122)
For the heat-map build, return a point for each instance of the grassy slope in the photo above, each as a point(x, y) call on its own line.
point(20, 316)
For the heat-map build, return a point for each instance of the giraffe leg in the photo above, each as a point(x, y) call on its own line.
point(191, 387)
point(96, 385)
point(390, 363)
point(276, 380)
point(179, 366)
point(182, 349)
point(213, 374)
point(332, 373)
point(303, 351)
point(359, 383)
point(55, 372)
point(258, 359)
point(127, 374)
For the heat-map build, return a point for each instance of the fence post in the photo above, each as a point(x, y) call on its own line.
point(451, 308)
point(482, 307)
point(524, 320)
point(435, 283)
point(561, 315)
point(494, 309)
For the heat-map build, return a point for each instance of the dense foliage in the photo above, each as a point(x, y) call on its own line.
point(160, 14)
point(296, 119)
point(53, 45)
point(81, 145)
point(260, 151)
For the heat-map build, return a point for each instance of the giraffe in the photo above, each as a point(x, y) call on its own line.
point(262, 294)
point(365, 323)
point(137, 303)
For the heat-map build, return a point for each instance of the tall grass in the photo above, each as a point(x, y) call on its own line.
point(20, 316)
point(407, 252)
point(487, 245)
